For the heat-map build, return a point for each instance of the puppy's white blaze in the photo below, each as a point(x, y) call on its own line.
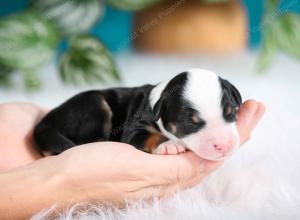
point(156, 93)
point(203, 90)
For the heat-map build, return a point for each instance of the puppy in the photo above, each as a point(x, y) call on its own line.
point(195, 110)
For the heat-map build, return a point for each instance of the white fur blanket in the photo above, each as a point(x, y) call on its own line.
point(260, 181)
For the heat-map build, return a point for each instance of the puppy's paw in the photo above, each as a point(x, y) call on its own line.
point(170, 148)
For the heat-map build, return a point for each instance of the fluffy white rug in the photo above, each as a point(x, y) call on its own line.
point(260, 181)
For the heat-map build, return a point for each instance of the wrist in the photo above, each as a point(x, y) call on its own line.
point(29, 189)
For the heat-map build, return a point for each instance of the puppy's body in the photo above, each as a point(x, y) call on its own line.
point(119, 114)
point(165, 118)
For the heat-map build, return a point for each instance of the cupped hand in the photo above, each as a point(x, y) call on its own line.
point(109, 171)
point(125, 172)
point(17, 121)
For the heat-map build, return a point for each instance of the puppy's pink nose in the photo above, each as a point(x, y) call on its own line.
point(222, 148)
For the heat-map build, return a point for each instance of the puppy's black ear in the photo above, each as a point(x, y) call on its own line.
point(232, 90)
point(236, 94)
point(159, 108)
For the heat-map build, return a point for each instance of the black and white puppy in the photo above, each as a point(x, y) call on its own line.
point(195, 110)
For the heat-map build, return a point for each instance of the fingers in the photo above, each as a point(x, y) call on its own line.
point(175, 170)
point(248, 116)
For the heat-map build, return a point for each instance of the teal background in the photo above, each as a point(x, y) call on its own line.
point(115, 27)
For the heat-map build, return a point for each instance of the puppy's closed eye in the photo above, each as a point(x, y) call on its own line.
point(197, 121)
point(172, 128)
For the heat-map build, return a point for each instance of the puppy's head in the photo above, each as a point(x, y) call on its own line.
point(199, 109)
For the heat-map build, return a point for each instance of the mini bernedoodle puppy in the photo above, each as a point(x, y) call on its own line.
point(196, 110)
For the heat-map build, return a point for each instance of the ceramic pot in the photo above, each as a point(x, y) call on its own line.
point(190, 26)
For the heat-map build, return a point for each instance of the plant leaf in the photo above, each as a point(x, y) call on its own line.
point(27, 41)
point(5, 76)
point(132, 4)
point(88, 61)
point(272, 5)
point(31, 81)
point(70, 16)
point(268, 50)
point(287, 30)
point(269, 45)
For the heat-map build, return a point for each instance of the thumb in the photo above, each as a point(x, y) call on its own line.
point(173, 172)
point(248, 116)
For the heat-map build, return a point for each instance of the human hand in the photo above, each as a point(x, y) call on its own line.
point(105, 172)
point(113, 172)
point(16, 128)
point(17, 148)
point(18, 121)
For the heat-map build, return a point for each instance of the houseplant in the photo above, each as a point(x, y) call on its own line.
point(28, 39)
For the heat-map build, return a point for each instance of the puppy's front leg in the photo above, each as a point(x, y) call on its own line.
point(152, 141)
point(169, 147)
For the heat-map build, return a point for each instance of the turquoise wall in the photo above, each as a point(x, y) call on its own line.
point(114, 29)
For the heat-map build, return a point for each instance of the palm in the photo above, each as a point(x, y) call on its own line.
point(16, 143)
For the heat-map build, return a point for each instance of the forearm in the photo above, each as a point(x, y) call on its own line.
point(59, 180)
point(27, 190)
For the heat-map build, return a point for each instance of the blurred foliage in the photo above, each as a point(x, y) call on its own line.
point(27, 35)
point(268, 50)
point(287, 30)
point(132, 4)
point(27, 41)
point(5, 76)
point(87, 60)
point(31, 80)
point(70, 16)
point(280, 31)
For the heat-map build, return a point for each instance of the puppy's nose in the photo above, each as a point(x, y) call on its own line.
point(222, 148)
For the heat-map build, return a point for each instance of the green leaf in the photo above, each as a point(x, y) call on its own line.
point(268, 49)
point(5, 76)
point(269, 43)
point(287, 31)
point(70, 16)
point(31, 81)
point(27, 41)
point(272, 4)
point(87, 61)
point(282, 33)
point(132, 4)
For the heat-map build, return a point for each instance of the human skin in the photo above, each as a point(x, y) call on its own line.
point(105, 172)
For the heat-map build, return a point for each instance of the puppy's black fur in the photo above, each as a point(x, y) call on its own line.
point(231, 100)
point(120, 114)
